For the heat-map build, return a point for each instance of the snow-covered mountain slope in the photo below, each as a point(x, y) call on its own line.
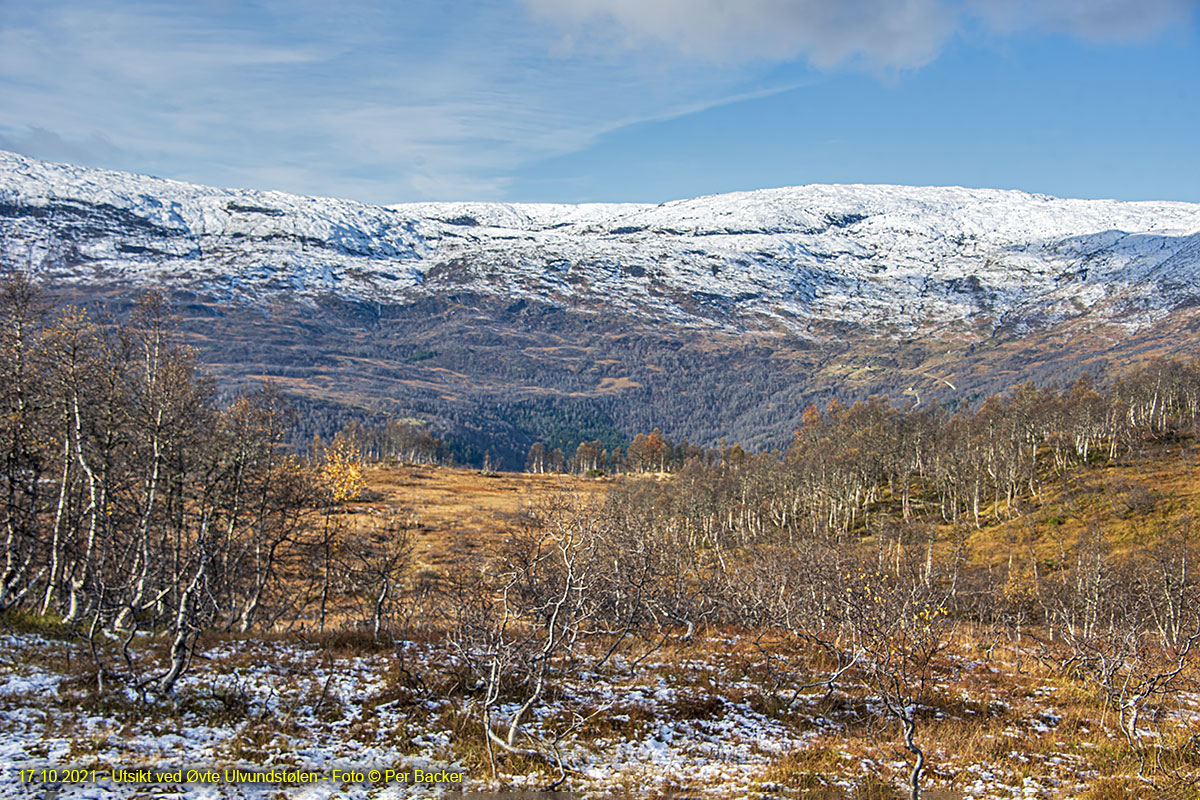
point(502, 324)
point(889, 258)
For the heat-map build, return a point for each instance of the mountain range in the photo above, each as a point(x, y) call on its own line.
point(500, 324)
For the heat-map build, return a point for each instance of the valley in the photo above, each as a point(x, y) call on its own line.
point(717, 317)
point(916, 515)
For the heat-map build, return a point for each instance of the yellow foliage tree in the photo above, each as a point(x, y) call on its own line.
point(342, 469)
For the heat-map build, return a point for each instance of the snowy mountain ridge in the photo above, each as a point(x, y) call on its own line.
point(904, 259)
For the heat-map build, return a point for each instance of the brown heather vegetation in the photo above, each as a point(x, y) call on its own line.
point(921, 597)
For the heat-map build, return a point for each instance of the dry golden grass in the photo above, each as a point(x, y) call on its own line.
point(1131, 499)
point(457, 511)
point(616, 384)
point(1011, 716)
point(995, 708)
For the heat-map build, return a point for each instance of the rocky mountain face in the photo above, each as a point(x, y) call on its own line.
point(713, 317)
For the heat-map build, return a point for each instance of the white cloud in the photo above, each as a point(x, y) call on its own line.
point(879, 33)
point(890, 33)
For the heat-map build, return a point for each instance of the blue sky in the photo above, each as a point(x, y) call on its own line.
point(612, 100)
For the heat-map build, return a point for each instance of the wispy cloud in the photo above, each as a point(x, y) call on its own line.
point(51, 146)
point(373, 103)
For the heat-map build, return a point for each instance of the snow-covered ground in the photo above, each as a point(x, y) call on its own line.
point(690, 722)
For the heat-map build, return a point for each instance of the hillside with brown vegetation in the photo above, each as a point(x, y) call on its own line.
point(733, 709)
point(992, 600)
